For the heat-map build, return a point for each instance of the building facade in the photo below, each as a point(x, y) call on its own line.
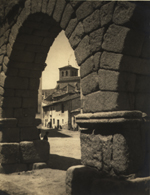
point(59, 105)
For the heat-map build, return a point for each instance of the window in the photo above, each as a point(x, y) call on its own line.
point(66, 73)
point(53, 121)
point(62, 108)
point(62, 74)
point(62, 121)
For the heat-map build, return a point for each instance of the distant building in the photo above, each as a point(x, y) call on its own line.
point(62, 104)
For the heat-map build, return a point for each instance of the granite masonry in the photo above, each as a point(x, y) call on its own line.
point(112, 47)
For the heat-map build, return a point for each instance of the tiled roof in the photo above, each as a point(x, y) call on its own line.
point(47, 92)
point(67, 98)
point(68, 66)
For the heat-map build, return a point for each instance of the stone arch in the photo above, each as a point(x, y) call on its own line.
point(104, 46)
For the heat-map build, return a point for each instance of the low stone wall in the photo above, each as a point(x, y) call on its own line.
point(86, 180)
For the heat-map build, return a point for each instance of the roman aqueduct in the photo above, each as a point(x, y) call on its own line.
point(112, 46)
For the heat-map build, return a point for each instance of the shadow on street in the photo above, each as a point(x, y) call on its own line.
point(53, 133)
point(62, 162)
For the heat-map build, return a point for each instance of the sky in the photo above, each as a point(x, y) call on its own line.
point(59, 55)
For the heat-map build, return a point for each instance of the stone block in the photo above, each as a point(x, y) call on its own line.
point(123, 40)
point(75, 3)
point(2, 40)
point(30, 39)
point(26, 93)
point(30, 73)
point(39, 166)
point(29, 134)
point(47, 41)
point(8, 122)
point(1, 91)
point(34, 84)
point(96, 39)
point(6, 60)
point(37, 48)
point(97, 4)
point(16, 83)
point(27, 121)
point(24, 13)
point(9, 134)
point(1, 100)
point(89, 83)
point(24, 65)
point(142, 102)
point(66, 16)
point(106, 13)
point(87, 67)
point(84, 10)
point(77, 35)
point(9, 92)
point(44, 6)
point(18, 112)
point(40, 58)
point(41, 33)
point(36, 151)
point(3, 50)
point(50, 7)
point(1, 58)
point(29, 112)
point(7, 113)
point(12, 72)
point(11, 168)
point(114, 61)
point(123, 12)
point(91, 156)
point(114, 186)
point(36, 6)
point(4, 68)
point(9, 153)
point(132, 15)
point(142, 84)
point(128, 153)
point(111, 60)
point(82, 52)
point(12, 102)
point(58, 11)
point(116, 81)
point(79, 179)
point(2, 79)
point(108, 101)
point(99, 154)
point(92, 22)
point(71, 26)
point(24, 56)
point(114, 38)
point(14, 31)
point(19, 46)
point(96, 59)
point(120, 153)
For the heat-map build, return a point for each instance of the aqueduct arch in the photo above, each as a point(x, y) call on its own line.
point(111, 44)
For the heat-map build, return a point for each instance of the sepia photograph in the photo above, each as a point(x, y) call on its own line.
point(74, 97)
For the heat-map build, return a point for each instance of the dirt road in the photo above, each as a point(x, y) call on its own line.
point(64, 152)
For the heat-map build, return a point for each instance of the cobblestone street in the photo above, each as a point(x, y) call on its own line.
point(64, 152)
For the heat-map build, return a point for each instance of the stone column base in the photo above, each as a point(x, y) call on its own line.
point(113, 142)
point(83, 180)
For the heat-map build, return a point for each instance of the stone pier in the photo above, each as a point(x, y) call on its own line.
point(113, 154)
